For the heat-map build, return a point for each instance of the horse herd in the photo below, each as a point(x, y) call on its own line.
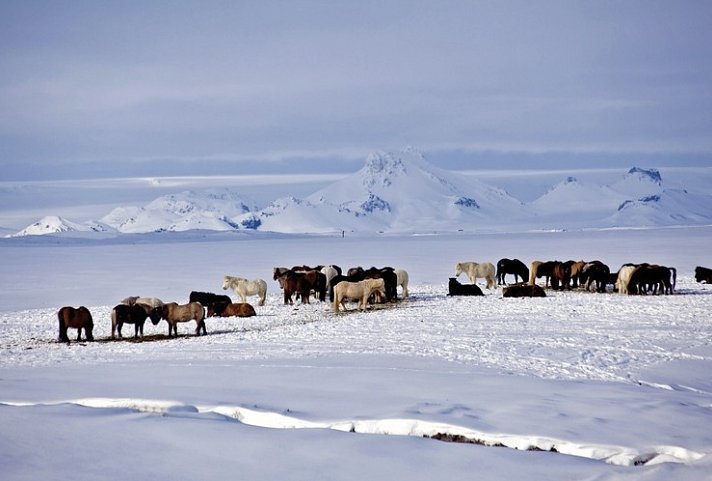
point(374, 285)
point(594, 275)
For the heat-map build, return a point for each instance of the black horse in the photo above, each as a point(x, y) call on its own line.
point(456, 289)
point(511, 266)
point(595, 271)
point(703, 274)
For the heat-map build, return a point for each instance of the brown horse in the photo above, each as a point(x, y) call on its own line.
point(174, 313)
point(77, 319)
point(233, 309)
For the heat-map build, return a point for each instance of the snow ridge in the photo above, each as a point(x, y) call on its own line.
point(611, 454)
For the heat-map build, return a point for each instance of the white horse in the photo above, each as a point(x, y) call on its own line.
point(623, 279)
point(402, 280)
point(330, 272)
point(475, 270)
point(244, 288)
point(357, 291)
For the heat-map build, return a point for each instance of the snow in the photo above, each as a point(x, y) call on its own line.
point(576, 385)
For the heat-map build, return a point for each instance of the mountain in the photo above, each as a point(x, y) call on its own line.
point(394, 192)
point(403, 193)
point(53, 224)
point(208, 210)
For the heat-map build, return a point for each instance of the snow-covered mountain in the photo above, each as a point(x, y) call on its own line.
point(209, 210)
point(53, 224)
point(403, 193)
point(394, 192)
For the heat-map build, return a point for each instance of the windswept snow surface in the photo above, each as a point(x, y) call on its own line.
point(576, 385)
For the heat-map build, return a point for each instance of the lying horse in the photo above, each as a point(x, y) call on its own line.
point(207, 299)
point(359, 291)
point(475, 270)
point(511, 266)
point(79, 318)
point(130, 314)
point(244, 288)
point(239, 309)
point(174, 313)
point(523, 290)
point(703, 274)
point(454, 288)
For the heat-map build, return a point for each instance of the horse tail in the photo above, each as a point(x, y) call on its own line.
point(62, 327)
point(674, 278)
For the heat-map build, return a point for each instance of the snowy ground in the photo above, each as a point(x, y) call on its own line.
point(574, 386)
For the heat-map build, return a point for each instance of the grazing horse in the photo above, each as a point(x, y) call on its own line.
point(174, 313)
point(533, 272)
point(358, 291)
point(703, 274)
point(390, 280)
point(623, 279)
point(511, 266)
point(207, 299)
point(402, 280)
point(648, 277)
point(595, 271)
point(475, 270)
point(523, 290)
point(244, 288)
point(238, 309)
point(576, 267)
point(79, 318)
point(542, 269)
point(561, 275)
point(130, 314)
point(454, 288)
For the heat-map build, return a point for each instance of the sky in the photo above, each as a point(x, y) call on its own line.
point(119, 88)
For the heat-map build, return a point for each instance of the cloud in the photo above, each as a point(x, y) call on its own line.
point(266, 79)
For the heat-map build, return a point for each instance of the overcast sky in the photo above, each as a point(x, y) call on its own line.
point(121, 84)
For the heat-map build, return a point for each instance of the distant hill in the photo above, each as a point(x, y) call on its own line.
point(403, 193)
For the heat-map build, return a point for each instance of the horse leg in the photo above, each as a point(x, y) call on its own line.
point(79, 333)
point(63, 331)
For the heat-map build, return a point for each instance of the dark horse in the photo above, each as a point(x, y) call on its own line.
point(75, 318)
point(207, 299)
point(511, 266)
point(134, 314)
point(703, 274)
point(454, 288)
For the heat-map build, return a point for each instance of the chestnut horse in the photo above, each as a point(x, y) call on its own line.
point(78, 319)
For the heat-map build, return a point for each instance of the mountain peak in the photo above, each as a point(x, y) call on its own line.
point(651, 175)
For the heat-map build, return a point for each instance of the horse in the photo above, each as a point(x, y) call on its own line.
point(129, 314)
point(296, 282)
point(359, 291)
point(542, 269)
point(703, 274)
point(390, 280)
point(244, 288)
point(595, 271)
point(174, 313)
point(402, 280)
point(533, 272)
point(475, 270)
point(561, 275)
point(207, 299)
point(454, 288)
point(623, 278)
point(576, 267)
point(79, 318)
point(330, 272)
point(239, 309)
point(523, 290)
point(648, 277)
point(511, 266)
